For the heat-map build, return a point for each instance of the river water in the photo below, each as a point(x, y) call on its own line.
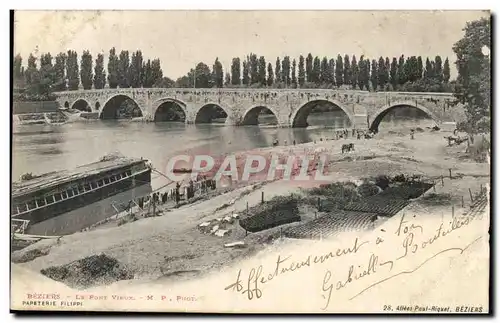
point(45, 148)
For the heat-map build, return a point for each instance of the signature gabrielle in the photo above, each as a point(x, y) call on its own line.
point(251, 287)
point(353, 274)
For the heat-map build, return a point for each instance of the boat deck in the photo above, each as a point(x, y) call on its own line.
point(49, 180)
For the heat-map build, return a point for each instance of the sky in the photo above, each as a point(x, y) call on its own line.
point(181, 39)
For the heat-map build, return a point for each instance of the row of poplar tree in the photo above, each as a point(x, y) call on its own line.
point(125, 70)
point(402, 74)
point(64, 73)
point(383, 74)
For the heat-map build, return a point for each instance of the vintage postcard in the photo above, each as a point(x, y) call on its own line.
point(251, 161)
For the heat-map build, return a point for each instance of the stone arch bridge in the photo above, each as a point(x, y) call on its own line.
point(242, 106)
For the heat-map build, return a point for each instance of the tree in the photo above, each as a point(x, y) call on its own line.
point(113, 74)
point(165, 82)
point(324, 76)
point(347, 71)
point(246, 74)
point(86, 76)
point(302, 72)
point(331, 72)
point(387, 70)
point(31, 70)
point(446, 71)
point(367, 74)
point(236, 71)
point(46, 76)
point(254, 69)
point(277, 70)
point(135, 70)
point(429, 71)
point(184, 82)
point(147, 75)
point(200, 77)
point(394, 73)
point(59, 70)
point(123, 69)
point(227, 79)
point(420, 67)
point(316, 71)
point(355, 72)
point(438, 69)
point(309, 67)
point(374, 75)
point(262, 71)
point(411, 69)
point(99, 73)
point(156, 71)
point(17, 64)
point(473, 84)
point(218, 74)
point(362, 72)
point(381, 73)
point(17, 71)
point(294, 73)
point(406, 69)
point(32, 76)
point(285, 70)
point(339, 71)
point(270, 75)
point(402, 78)
point(72, 71)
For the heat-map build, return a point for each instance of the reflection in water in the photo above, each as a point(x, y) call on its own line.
point(74, 144)
point(46, 140)
point(50, 151)
point(405, 117)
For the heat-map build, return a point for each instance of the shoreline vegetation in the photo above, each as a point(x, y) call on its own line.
point(213, 231)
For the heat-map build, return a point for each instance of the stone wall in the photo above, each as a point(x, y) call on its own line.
point(23, 107)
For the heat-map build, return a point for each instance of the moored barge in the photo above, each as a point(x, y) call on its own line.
point(47, 204)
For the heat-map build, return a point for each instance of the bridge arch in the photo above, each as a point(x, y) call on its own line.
point(66, 104)
point(169, 109)
point(299, 117)
point(113, 107)
point(82, 105)
point(382, 112)
point(251, 115)
point(209, 111)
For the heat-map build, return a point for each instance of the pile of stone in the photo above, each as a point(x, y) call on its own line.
point(218, 227)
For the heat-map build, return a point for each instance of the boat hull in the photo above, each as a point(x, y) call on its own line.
point(72, 215)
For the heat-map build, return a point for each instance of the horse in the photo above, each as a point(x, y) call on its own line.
point(347, 147)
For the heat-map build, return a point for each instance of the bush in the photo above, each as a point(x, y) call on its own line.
point(368, 189)
point(341, 190)
point(27, 176)
point(382, 181)
point(278, 211)
point(479, 150)
point(88, 272)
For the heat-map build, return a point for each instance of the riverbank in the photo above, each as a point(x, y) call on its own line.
point(171, 247)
